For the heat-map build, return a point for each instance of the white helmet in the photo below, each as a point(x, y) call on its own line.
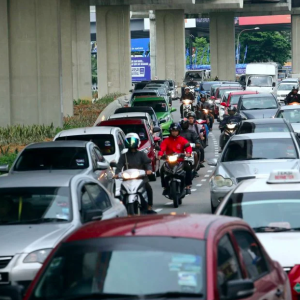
point(132, 140)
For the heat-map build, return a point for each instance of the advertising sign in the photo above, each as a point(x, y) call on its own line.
point(140, 68)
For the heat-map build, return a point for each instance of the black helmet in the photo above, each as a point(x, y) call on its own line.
point(174, 127)
point(231, 109)
point(191, 114)
point(184, 124)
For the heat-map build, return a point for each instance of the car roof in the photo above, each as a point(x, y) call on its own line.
point(260, 95)
point(290, 80)
point(261, 135)
point(88, 131)
point(43, 178)
point(287, 107)
point(128, 115)
point(148, 109)
point(143, 91)
point(261, 185)
point(187, 226)
point(149, 98)
point(123, 122)
point(244, 93)
point(265, 121)
point(229, 87)
point(58, 144)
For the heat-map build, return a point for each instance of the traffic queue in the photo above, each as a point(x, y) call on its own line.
point(77, 218)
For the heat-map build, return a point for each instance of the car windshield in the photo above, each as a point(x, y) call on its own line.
point(137, 128)
point(34, 205)
point(266, 211)
point(105, 142)
point(280, 148)
point(171, 83)
point(248, 127)
point(52, 158)
point(234, 99)
point(291, 115)
point(140, 86)
point(192, 75)
point(223, 91)
point(158, 106)
point(286, 87)
point(258, 103)
point(128, 266)
point(207, 85)
point(260, 81)
point(144, 94)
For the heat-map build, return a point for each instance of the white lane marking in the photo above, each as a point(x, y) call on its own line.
point(193, 190)
point(206, 175)
point(169, 203)
point(199, 184)
point(209, 171)
point(203, 180)
point(158, 209)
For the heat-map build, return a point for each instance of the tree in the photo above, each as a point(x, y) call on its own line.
point(265, 46)
point(201, 47)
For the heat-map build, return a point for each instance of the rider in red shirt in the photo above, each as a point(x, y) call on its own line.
point(176, 144)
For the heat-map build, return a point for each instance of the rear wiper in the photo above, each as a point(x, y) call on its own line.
point(269, 229)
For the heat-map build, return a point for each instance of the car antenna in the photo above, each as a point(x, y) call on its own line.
point(133, 230)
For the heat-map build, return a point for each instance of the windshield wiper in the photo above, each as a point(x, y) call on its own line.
point(100, 296)
point(269, 229)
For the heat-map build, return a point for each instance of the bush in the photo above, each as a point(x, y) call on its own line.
point(6, 157)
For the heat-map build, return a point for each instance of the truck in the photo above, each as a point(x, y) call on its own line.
point(262, 77)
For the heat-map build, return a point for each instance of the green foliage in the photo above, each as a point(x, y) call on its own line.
point(80, 101)
point(266, 46)
point(94, 69)
point(7, 158)
point(201, 44)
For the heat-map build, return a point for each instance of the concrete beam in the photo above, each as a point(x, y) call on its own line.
point(296, 45)
point(141, 2)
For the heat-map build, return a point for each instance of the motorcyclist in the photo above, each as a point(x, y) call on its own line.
point(176, 144)
point(216, 78)
point(232, 116)
point(293, 96)
point(192, 137)
point(135, 159)
point(187, 95)
point(203, 104)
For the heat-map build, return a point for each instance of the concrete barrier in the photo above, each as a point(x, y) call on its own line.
point(111, 108)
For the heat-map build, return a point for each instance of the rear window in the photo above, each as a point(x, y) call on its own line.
point(248, 127)
point(105, 142)
point(129, 128)
point(158, 106)
point(60, 158)
point(144, 94)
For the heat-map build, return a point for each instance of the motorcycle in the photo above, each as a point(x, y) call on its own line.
point(229, 131)
point(132, 189)
point(205, 130)
point(175, 177)
point(187, 106)
point(191, 159)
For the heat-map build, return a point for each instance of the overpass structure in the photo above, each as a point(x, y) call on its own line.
point(45, 48)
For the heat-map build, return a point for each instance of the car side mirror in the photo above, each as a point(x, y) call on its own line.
point(212, 162)
point(223, 104)
point(113, 164)
point(11, 292)
point(162, 121)
point(173, 109)
point(92, 215)
point(273, 84)
point(4, 168)
point(102, 165)
point(125, 150)
point(239, 289)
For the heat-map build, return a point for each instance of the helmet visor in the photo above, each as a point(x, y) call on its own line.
point(132, 142)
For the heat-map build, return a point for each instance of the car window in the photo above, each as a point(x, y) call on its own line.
point(228, 266)
point(99, 196)
point(254, 260)
point(258, 103)
point(120, 142)
point(93, 157)
point(249, 127)
point(137, 128)
point(87, 202)
point(158, 106)
point(99, 155)
point(291, 115)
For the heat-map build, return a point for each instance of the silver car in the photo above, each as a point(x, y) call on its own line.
point(75, 156)
point(291, 113)
point(36, 212)
point(248, 156)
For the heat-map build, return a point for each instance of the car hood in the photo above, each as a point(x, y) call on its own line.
point(259, 114)
point(27, 238)
point(245, 168)
point(282, 246)
point(296, 127)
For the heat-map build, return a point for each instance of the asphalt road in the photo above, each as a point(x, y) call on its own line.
point(199, 200)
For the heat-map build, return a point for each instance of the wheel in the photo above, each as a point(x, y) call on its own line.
point(174, 194)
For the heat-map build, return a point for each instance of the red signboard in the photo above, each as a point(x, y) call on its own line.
point(263, 20)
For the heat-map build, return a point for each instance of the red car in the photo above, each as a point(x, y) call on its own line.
point(140, 127)
point(161, 257)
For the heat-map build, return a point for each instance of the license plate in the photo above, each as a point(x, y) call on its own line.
point(4, 278)
point(187, 106)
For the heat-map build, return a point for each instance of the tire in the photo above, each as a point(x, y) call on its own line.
point(174, 194)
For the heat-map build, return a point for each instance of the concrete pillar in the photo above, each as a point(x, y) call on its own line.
point(222, 45)
point(81, 50)
point(170, 44)
point(296, 45)
point(5, 109)
point(114, 49)
point(33, 53)
point(153, 44)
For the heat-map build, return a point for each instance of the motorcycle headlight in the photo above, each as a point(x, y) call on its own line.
point(220, 181)
point(37, 256)
point(172, 158)
point(132, 175)
point(186, 101)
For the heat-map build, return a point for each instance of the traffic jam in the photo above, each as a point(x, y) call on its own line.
point(80, 215)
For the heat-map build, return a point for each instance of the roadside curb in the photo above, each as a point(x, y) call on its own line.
point(111, 108)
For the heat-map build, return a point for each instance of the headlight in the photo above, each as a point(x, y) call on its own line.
point(231, 126)
point(186, 101)
point(131, 175)
point(173, 158)
point(220, 181)
point(38, 256)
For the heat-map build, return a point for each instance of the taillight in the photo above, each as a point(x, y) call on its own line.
point(294, 277)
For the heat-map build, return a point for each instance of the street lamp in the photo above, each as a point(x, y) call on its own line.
point(238, 39)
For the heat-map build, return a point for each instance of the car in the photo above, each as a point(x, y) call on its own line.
point(233, 97)
point(144, 93)
point(110, 141)
point(136, 115)
point(217, 84)
point(170, 256)
point(140, 127)
point(246, 156)
point(173, 90)
point(206, 86)
point(284, 88)
point(290, 113)
point(162, 81)
point(222, 107)
point(72, 156)
point(257, 106)
point(196, 75)
point(139, 85)
point(161, 108)
point(264, 125)
point(40, 211)
point(145, 109)
point(270, 206)
point(162, 89)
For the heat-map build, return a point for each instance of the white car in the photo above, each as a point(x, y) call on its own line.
point(135, 115)
point(291, 113)
point(110, 140)
point(271, 207)
point(284, 88)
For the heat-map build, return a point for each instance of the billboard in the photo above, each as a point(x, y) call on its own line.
point(188, 23)
point(140, 68)
point(264, 20)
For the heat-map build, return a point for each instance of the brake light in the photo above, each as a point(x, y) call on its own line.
point(294, 277)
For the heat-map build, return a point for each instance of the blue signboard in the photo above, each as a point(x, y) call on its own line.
point(240, 68)
point(140, 68)
point(140, 44)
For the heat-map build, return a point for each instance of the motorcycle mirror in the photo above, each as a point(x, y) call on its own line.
point(124, 151)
